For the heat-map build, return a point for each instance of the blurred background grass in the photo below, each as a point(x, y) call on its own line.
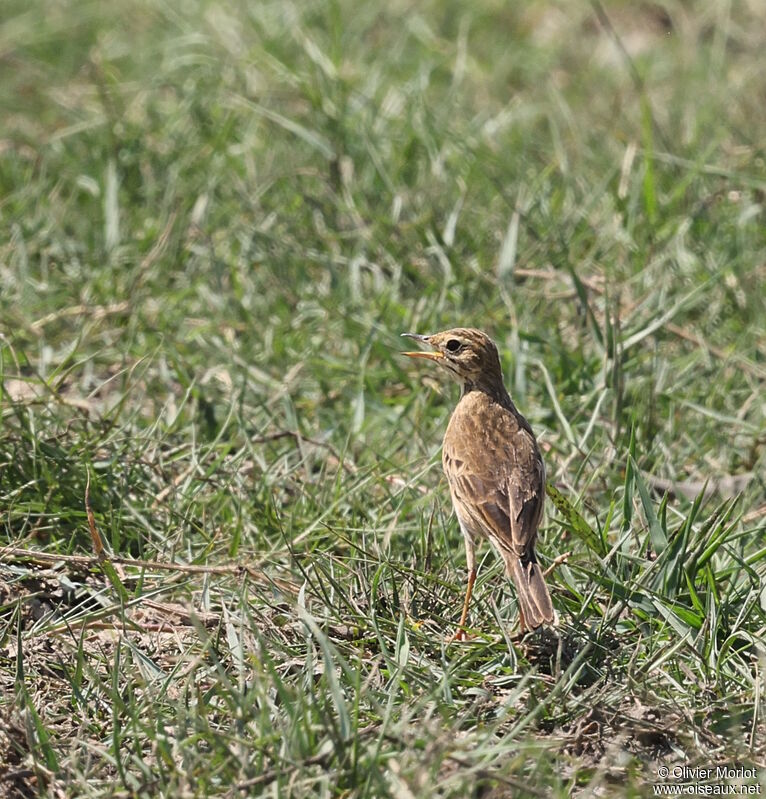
point(216, 220)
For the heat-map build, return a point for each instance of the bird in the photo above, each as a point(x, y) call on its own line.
point(494, 468)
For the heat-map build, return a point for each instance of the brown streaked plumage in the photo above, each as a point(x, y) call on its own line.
point(494, 468)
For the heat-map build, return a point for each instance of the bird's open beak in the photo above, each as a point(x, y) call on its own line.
point(431, 356)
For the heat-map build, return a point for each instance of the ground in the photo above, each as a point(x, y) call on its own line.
point(217, 218)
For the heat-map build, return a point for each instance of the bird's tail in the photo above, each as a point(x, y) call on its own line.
point(534, 600)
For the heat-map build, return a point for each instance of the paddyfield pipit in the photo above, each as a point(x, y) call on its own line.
point(494, 468)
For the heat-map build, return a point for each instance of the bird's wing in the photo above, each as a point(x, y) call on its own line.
point(497, 481)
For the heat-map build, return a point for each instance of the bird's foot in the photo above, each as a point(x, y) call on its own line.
point(459, 635)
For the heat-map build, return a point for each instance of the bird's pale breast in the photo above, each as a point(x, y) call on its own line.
point(495, 471)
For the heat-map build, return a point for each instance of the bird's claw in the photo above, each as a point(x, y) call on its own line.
point(459, 635)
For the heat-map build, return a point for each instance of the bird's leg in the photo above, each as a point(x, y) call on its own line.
point(470, 556)
point(461, 634)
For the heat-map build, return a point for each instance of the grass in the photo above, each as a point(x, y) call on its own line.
point(216, 220)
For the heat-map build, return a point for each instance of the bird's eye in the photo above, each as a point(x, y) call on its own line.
point(453, 345)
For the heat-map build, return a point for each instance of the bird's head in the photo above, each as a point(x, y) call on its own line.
point(466, 353)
